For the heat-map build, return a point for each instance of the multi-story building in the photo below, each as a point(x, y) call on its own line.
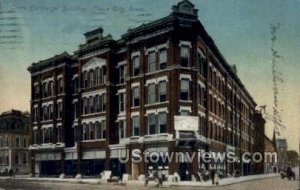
point(14, 142)
point(111, 96)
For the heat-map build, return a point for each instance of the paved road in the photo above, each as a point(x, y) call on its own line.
point(264, 184)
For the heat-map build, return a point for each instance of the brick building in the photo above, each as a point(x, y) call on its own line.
point(111, 96)
point(14, 142)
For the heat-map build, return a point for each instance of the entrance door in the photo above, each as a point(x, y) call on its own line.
point(185, 171)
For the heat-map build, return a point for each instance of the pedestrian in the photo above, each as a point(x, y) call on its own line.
point(10, 173)
point(217, 178)
point(212, 176)
point(160, 179)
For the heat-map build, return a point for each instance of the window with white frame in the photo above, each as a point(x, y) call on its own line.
point(35, 135)
point(122, 102)
point(91, 131)
point(151, 61)
point(47, 134)
point(162, 59)
point(122, 74)
point(135, 125)
point(122, 131)
point(162, 88)
point(135, 96)
point(92, 77)
point(85, 79)
point(135, 65)
point(91, 104)
point(152, 129)
point(59, 133)
point(50, 88)
point(201, 63)
point(185, 89)
point(151, 98)
point(162, 122)
point(85, 131)
point(100, 128)
point(185, 56)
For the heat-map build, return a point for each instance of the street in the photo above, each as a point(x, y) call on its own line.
point(274, 183)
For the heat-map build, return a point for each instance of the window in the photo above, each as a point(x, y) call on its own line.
point(91, 76)
point(18, 142)
point(152, 124)
point(25, 142)
point(151, 62)
point(184, 89)
point(75, 85)
point(136, 66)
point(91, 102)
point(45, 89)
point(103, 74)
point(162, 59)
point(162, 122)
point(162, 91)
point(122, 74)
point(59, 133)
point(17, 158)
point(136, 125)
point(59, 110)
point(92, 131)
point(75, 110)
point(85, 106)
point(50, 87)
point(85, 131)
point(35, 137)
point(47, 135)
point(85, 79)
point(101, 129)
point(60, 86)
point(122, 129)
point(74, 131)
point(50, 111)
point(36, 91)
point(135, 97)
point(151, 93)
point(121, 102)
point(35, 114)
point(201, 64)
point(103, 102)
point(185, 56)
point(24, 158)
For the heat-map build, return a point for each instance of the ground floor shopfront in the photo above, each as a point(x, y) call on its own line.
point(136, 160)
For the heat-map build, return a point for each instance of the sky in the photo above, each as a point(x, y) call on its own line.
point(33, 30)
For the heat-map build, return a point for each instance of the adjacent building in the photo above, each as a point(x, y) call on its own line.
point(163, 87)
point(14, 142)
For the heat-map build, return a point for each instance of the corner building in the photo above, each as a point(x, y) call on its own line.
point(111, 96)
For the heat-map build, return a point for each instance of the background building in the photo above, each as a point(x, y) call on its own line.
point(130, 94)
point(282, 148)
point(14, 142)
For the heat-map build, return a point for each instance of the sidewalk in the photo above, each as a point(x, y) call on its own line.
point(135, 183)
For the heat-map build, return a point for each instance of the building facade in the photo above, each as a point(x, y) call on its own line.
point(163, 87)
point(271, 165)
point(14, 142)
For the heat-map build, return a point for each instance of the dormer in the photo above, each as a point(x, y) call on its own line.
point(185, 7)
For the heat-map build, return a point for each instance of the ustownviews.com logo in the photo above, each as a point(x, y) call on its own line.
point(137, 156)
